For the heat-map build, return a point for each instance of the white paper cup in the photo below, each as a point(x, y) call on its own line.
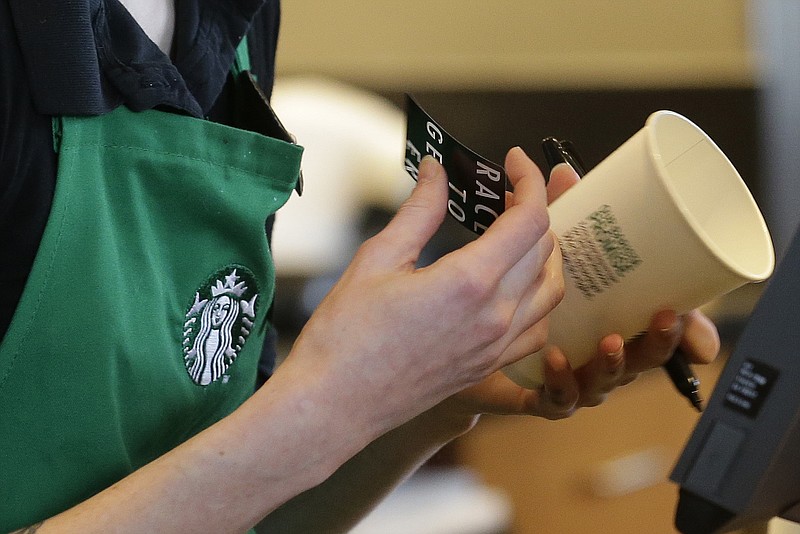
point(665, 221)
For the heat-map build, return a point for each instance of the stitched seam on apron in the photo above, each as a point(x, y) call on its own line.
point(32, 319)
point(172, 154)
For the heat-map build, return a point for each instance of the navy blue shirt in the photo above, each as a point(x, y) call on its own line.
point(86, 58)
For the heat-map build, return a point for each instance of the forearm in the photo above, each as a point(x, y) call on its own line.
point(388, 343)
point(284, 440)
point(351, 492)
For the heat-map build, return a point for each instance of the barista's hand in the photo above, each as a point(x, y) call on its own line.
point(391, 340)
point(615, 364)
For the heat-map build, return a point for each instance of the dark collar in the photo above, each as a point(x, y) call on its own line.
point(87, 57)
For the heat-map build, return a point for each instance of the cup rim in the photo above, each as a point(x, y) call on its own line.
point(691, 219)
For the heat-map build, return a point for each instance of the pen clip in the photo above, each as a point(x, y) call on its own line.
point(563, 151)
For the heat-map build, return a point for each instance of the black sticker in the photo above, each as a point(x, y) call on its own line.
point(477, 185)
point(750, 387)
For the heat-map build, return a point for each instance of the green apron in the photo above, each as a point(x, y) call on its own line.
point(143, 318)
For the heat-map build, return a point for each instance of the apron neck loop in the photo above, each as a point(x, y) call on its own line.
point(57, 127)
point(242, 60)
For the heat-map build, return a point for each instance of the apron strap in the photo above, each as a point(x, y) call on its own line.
point(244, 76)
point(242, 61)
point(57, 127)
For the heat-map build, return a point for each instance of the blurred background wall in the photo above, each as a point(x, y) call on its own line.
point(501, 73)
point(520, 44)
point(510, 72)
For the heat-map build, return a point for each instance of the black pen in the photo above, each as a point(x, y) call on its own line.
point(556, 152)
point(678, 369)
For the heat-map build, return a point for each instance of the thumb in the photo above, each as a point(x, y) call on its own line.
point(421, 215)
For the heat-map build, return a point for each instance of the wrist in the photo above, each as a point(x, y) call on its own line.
point(446, 421)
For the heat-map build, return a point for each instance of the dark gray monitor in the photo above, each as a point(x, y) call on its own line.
point(741, 464)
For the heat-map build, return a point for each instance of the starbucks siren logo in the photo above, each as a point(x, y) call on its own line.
point(218, 323)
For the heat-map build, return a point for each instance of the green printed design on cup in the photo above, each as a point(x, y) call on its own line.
point(596, 253)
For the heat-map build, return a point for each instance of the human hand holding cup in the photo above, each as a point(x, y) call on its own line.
point(665, 221)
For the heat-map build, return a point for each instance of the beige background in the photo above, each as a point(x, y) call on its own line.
point(519, 43)
point(604, 471)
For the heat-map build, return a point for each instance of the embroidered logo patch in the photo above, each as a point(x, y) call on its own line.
point(218, 323)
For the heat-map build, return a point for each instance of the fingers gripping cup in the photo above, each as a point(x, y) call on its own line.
point(665, 221)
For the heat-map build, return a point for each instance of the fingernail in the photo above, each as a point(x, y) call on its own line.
point(666, 331)
point(553, 153)
point(519, 151)
point(427, 167)
point(562, 152)
point(558, 167)
point(614, 360)
point(671, 324)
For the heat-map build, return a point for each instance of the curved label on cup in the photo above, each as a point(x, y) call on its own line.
point(596, 253)
point(477, 185)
